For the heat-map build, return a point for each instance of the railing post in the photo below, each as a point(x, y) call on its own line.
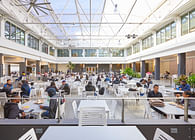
point(58, 109)
point(185, 110)
point(123, 111)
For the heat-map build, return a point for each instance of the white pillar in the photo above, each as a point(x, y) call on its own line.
point(26, 38)
point(69, 52)
point(2, 27)
point(154, 38)
point(178, 27)
point(140, 44)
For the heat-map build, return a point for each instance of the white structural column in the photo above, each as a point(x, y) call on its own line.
point(2, 26)
point(178, 27)
point(1, 65)
point(154, 38)
point(26, 37)
point(69, 52)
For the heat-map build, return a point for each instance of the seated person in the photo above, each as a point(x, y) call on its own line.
point(25, 89)
point(77, 79)
point(11, 109)
point(184, 86)
point(107, 79)
point(32, 85)
point(65, 87)
point(155, 92)
point(144, 83)
point(89, 87)
point(8, 87)
point(51, 109)
point(53, 85)
point(149, 82)
point(116, 81)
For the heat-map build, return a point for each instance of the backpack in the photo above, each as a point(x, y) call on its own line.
point(101, 91)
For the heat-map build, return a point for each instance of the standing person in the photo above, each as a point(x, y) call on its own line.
point(8, 87)
point(98, 82)
point(50, 112)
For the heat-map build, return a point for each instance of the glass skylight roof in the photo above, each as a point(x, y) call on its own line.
point(111, 20)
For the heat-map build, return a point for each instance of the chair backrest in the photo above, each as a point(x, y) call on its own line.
point(74, 106)
point(33, 92)
point(62, 111)
point(29, 135)
point(3, 98)
point(89, 93)
point(161, 135)
point(92, 116)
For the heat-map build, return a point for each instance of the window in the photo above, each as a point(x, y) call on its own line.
point(7, 30)
point(184, 24)
point(104, 53)
point(52, 51)
point(166, 33)
point(33, 42)
point(90, 53)
point(45, 48)
point(63, 53)
point(77, 53)
point(117, 53)
point(136, 48)
point(14, 33)
point(129, 51)
point(173, 30)
point(147, 42)
point(158, 38)
point(192, 21)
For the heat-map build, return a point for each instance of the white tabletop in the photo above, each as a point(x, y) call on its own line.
point(173, 110)
point(173, 90)
point(93, 133)
point(35, 107)
point(94, 103)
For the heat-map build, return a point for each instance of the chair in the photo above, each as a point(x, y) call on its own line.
point(29, 135)
point(74, 106)
point(3, 98)
point(62, 111)
point(92, 116)
point(113, 109)
point(33, 93)
point(161, 135)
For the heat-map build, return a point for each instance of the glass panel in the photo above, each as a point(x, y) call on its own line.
point(117, 53)
point(129, 51)
point(77, 53)
point(192, 21)
point(13, 33)
point(52, 51)
point(90, 53)
point(33, 42)
point(7, 30)
point(158, 38)
point(63, 53)
point(45, 48)
point(104, 53)
point(18, 35)
point(184, 24)
point(173, 30)
point(22, 37)
point(162, 35)
point(168, 32)
point(136, 48)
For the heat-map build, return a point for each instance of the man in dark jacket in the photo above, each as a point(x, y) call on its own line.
point(65, 87)
point(11, 109)
point(89, 87)
point(155, 93)
point(25, 89)
point(8, 87)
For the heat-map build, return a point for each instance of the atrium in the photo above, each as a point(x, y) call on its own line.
point(93, 67)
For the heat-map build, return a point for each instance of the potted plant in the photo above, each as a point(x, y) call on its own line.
point(70, 66)
point(191, 81)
